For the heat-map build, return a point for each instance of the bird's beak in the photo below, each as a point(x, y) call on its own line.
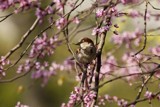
point(77, 43)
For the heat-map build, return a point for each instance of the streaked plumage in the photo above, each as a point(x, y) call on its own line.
point(86, 52)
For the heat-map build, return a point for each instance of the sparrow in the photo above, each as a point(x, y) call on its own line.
point(86, 52)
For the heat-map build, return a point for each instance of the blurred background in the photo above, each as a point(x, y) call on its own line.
point(59, 87)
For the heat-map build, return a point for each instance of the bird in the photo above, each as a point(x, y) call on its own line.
point(86, 51)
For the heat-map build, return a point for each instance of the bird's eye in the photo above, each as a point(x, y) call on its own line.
point(91, 50)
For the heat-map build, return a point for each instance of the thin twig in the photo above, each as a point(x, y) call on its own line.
point(22, 54)
point(5, 17)
point(145, 82)
point(153, 6)
point(24, 37)
point(141, 100)
point(145, 29)
point(30, 44)
point(99, 62)
point(123, 76)
point(21, 75)
point(99, 51)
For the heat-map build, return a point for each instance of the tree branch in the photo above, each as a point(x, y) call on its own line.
point(24, 37)
point(145, 29)
point(5, 17)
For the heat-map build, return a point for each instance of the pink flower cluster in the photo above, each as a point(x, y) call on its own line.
point(21, 105)
point(3, 62)
point(129, 65)
point(76, 97)
point(5, 4)
point(103, 15)
point(109, 65)
point(68, 64)
point(25, 67)
point(149, 95)
point(19, 4)
point(127, 38)
point(100, 12)
point(101, 30)
point(129, 1)
point(155, 50)
point(59, 5)
point(61, 22)
point(89, 98)
point(134, 13)
point(132, 65)
point(44, 46)
point(76, 20)
point(45, 70)
point(40, 13)
point(108, 98)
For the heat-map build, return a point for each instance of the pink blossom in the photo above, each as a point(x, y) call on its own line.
point(108, 98)
point(40, 13)
point(44, 46)
point(149, 95)
point(42, 71)
point(94, 31)
point(155, 50)
point(100, 30)
point(19, 5)
point(127, 38)
point(129, 1)
point(132, 105)
point(3, 62)
point(59, 5)
point(120, 102)
point(61, 22)
point(134, 13)
point(102, 1)
point(74, 97)
point(76, 20)
point(99, 12)
point(109, 65)
point(20, 105)
point(88, 99)
point(49, 10)
point(24, 67)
